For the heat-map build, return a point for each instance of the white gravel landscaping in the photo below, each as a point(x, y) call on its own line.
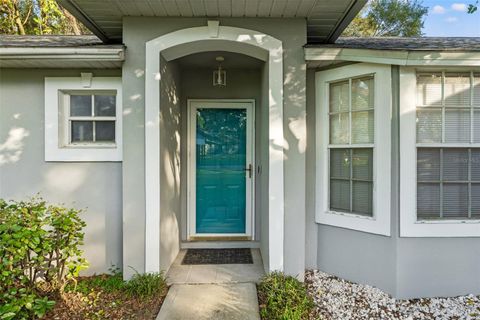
point(340, 299)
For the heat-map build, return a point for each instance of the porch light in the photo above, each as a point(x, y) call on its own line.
point(219, 75)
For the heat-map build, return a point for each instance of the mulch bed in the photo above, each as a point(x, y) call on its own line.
point(99, 305)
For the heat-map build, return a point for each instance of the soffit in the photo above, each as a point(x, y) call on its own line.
point(326, 19)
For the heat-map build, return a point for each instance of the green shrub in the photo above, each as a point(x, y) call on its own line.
point(106, 282)
point(283, 297)
point(146, 285)
point(39, 244)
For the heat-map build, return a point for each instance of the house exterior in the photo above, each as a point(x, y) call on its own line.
point(359, 157)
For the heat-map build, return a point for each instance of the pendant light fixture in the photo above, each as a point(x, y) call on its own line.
point(220, 75)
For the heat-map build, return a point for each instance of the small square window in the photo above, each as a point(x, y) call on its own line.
point(92, 118)
point(83, 123)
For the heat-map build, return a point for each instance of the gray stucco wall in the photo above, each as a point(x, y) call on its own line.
point(170, 163)
point(311, 228)
point(136, 32)
point(94, 187)
point(403, 267)
point(242, 84)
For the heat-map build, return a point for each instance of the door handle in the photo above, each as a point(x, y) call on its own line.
point(249, 169)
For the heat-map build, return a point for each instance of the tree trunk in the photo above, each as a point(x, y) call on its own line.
point(18, 22)
point(18, 19)
point(72, 22)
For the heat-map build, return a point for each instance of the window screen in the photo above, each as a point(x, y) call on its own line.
point(448, 164)
point(351, 120)
point(92, 118)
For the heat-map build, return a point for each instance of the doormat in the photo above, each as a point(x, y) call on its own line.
point(218, 256)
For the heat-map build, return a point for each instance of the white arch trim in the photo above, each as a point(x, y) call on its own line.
point(186, 41)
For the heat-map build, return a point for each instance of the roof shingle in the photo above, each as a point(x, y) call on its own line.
point(406, 44)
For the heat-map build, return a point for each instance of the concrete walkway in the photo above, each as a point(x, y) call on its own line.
point(212, 291)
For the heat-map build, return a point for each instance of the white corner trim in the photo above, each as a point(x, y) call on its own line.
point(380, 223)
point(395, 57)
point(54, 151)
point(186, 41)
point(409, 226)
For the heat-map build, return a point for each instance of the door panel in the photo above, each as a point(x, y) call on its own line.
point(220, 178)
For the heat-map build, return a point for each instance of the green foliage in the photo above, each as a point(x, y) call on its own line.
point(146, 285)
point(473, 7)
point(105, 282)
point(37, 17)
point(388, 18)
point(39, 244)
point(284, 298)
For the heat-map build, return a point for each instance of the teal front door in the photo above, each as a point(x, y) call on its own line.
point(223, 158)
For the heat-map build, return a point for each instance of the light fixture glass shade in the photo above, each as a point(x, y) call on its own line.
point(220, 77)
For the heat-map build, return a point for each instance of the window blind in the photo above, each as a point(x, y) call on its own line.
point(448, 176)
point(351, 115)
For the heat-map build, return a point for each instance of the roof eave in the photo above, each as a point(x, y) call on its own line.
point(423, 58)
point(352, 11)
point(83, 18)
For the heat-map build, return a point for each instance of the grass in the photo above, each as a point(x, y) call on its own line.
point(108, 296)
point(283, 297)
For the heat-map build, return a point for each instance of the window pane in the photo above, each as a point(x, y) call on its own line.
point(340, 163)
point(476, 200)
point(82, 131)
point(476, 126)
point(429, 89)
point(362, 197)
point(362, 161)
point(80, 106)
point(105, 131)
point(428, 164)
point(339, 96)
point(457, 89)
point(339, 195)
point(457, 125)
point(455, 200)
point(428, 200)
point(362, 93)
point(104, 106)
point(455, 164)
point(429, 125)
point(362, 127)
point(475, 165)
point(339, 128)
point(476, 89)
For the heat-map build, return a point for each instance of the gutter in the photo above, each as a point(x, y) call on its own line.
point(35, 53)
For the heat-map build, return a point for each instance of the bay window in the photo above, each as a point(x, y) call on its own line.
point(353, 147)
point(440, 180)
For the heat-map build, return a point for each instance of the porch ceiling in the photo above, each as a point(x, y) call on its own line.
point(326, 19)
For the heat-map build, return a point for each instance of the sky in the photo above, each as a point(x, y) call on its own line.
point(449, 18)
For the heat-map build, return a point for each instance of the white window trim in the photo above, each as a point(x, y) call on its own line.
point(57, 147)
point(380, 222)
point(409, 226)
